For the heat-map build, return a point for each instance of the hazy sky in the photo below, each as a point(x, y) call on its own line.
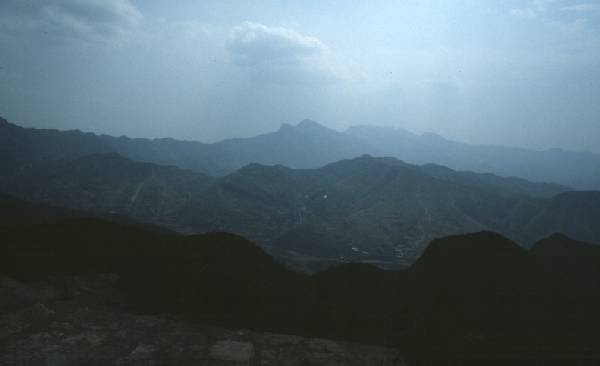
point(521, 73)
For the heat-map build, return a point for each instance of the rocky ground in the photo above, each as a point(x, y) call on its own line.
point(82, 320)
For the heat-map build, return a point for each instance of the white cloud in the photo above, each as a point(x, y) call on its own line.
point(253, 44)
point(90, 19)
point(278, 54)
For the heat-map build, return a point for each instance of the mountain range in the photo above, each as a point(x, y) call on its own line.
point(302, 231)
point(310, 145)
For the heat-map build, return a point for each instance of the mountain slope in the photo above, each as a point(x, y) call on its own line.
point(108, 183)
point(494, 183)
point(572, 213)
point(578, 170)
point(378, 210)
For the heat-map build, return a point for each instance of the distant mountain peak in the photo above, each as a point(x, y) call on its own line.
point(309, 123)
point(560, 246)
point(474, 243)
point(304, 125)
point(483, 249)
point(258, 168)
point(432, 136)
point(558, 236)
point(286, 127)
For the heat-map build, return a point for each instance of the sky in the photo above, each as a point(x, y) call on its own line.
point(516, 73)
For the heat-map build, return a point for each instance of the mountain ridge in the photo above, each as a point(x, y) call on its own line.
point(310, 145)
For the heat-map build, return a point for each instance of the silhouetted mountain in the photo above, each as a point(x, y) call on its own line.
point(467, 279)
point(310, 145)
point(483, 290)
point(378, 210)
point(573, 261)
point(475, 296)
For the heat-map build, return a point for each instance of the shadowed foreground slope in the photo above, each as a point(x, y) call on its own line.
point(472, 296)
point(84, 320)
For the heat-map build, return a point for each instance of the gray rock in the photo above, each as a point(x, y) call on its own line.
point(232, 351)
point(88, 328)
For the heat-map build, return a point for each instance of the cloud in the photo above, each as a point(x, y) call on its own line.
point(581, 7)
point(252, 44)
point(90, 19)
point(277, 54)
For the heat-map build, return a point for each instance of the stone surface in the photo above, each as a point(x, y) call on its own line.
point(82, 321)
point(232, 351)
